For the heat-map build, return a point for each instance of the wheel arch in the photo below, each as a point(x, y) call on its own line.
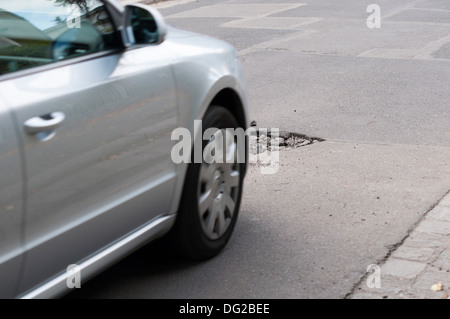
point(231, 100)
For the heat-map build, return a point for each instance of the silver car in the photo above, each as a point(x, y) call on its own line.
point(90, 95)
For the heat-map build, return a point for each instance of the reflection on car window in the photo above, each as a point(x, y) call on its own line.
point(38, 32)
point(144, 26)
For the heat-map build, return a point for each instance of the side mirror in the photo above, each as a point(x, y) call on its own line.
point(143, 25)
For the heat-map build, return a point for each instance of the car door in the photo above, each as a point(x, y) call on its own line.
point(11, 205)
point(95, 126)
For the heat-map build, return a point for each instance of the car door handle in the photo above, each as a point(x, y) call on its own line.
point(44, 123)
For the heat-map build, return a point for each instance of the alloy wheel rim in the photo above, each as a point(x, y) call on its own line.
point(219, 183)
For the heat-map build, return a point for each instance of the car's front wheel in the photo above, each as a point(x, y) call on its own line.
point(212, 192)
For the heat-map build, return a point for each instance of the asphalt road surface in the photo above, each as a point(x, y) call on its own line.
point(380, 99)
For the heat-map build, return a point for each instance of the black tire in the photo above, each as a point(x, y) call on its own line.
point(192, 233)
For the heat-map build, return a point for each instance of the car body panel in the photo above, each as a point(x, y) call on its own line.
point(11, 204)
point(88, 187)
point(91, 266)
point(93, 185)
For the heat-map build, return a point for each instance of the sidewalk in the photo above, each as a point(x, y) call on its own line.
point(420, 267)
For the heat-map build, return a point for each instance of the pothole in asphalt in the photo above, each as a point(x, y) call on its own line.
point(266, 140)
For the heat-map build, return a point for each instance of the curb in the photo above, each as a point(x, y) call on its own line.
point(420, 267)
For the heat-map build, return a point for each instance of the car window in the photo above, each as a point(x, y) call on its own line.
point(38, 32)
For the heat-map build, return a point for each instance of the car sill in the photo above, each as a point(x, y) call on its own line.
point(98, 262)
